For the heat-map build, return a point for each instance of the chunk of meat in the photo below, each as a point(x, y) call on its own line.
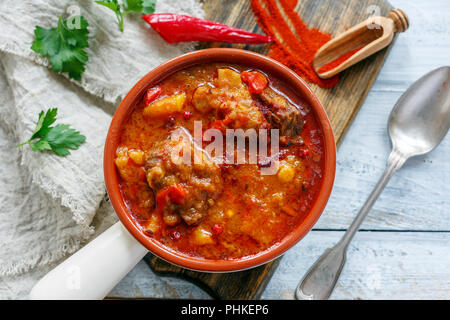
point(239, 110)
point(182, 183)
point(281, 113)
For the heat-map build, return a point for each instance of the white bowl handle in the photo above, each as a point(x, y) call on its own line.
point(93, 271)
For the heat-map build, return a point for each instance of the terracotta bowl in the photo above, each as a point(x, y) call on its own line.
point(252, 60)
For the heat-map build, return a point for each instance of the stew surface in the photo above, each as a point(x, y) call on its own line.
point(213, 209)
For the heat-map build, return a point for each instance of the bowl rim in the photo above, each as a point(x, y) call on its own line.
point(229, 55)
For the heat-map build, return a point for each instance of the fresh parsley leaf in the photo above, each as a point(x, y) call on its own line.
point(139, 6)
point(44, 122)
point(64, 46)
point(115, 7)
point(40, 145)
point(148, 6)
point(111, 4)
point(59, 138)
point(132, 5)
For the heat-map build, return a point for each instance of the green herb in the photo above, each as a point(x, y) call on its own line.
point(64, 46)
point(115, 7)
point(139, 6)
point(59, 138)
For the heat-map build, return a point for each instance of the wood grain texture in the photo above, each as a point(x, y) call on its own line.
point(341, 104)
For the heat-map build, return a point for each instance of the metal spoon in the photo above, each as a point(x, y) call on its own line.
point(417, 124)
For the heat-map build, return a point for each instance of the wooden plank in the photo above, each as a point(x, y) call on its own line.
point(341, 103)
point(380, 265)
point(248, 284)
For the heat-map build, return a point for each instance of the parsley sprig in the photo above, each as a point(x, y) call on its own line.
point(64, 46)
point(128, 6)
point(59, 138)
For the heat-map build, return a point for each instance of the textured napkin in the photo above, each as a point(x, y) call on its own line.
point(50, 205)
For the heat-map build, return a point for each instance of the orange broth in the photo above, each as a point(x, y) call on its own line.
point(252, 212)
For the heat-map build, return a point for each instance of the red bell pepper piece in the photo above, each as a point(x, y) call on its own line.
point(180, 28)
point(161, 199)
point(142, 174)
point(217, 229)
point(152, 94)
point(177, 193)
point(174, 193)
point(255, 80)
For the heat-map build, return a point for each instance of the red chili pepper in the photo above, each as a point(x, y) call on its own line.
point(255, 80)
point(152, 94)
point(180, 28)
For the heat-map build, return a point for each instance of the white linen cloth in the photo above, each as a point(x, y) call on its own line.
point(50, 205)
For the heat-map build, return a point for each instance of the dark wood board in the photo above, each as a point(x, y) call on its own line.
point(341, 103)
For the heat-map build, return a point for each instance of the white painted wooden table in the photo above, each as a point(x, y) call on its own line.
point(403, 249)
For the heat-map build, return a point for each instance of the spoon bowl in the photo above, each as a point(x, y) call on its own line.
point(421, 117)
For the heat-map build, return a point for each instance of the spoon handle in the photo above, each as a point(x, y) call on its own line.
point(321, 278)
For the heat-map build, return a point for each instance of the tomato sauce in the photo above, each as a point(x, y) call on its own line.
point(221, 211)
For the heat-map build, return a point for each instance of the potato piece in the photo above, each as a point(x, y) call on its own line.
point(121, 151)
point(122, 165)
point(201, 99)
point(171, 219)
point(166, 106)
point(137, 156)
point(227, 78)
point(286, 173)
point(121, 162)
point(202, 236)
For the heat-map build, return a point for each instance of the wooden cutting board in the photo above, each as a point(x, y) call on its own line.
point(341, 103)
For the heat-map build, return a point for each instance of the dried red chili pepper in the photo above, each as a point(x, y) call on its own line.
point(180, 28)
